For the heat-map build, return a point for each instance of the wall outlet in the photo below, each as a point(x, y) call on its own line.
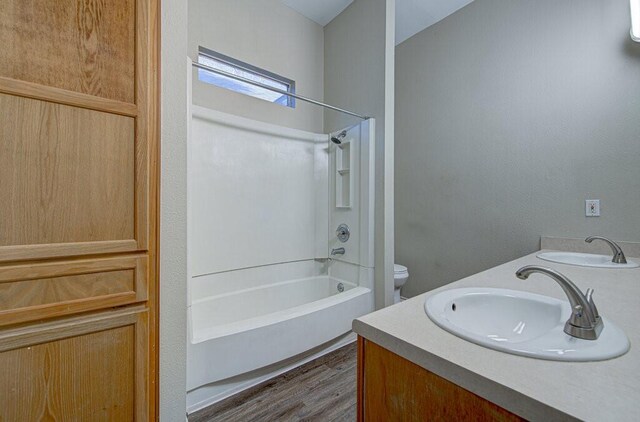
point(592, 208)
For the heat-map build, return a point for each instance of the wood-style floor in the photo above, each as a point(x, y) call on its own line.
point(321, 390)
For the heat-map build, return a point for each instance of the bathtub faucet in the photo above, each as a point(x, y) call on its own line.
point(337, 251)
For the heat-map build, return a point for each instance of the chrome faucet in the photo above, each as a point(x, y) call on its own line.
point(618, 255)
point(585, 322)
point(337, 251)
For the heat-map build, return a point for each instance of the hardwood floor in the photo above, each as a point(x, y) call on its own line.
point(321, 390)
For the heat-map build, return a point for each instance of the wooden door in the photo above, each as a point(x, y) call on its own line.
point(78, 209)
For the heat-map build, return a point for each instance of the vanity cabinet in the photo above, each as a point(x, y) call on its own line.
point(391, 388)
point(78, 209)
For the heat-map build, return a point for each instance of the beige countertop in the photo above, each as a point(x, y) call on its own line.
point(532, 388)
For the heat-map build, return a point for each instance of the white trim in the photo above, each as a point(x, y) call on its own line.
point(635, 20)
point(244, 123)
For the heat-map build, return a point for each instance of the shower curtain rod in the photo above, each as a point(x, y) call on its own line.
point(279, 91)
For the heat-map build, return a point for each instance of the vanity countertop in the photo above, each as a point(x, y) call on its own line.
point(531, 388)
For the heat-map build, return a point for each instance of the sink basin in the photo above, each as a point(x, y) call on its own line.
point(584, 260)
point(520, 323)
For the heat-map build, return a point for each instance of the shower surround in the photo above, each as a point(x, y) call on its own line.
point(264, 204)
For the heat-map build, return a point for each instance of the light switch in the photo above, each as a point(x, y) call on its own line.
point(592, 208)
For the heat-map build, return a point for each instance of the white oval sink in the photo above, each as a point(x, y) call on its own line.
point(584, 260)
point(520, 323)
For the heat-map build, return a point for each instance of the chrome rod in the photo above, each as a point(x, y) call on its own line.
point(279, 91)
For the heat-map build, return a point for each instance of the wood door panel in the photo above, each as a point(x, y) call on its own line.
point(30, 293)
point(85, 46)
point(395, 389)
point(47, 381)
point(82, 369)
point(37, 291)
point(79, 176)
point(68, 175)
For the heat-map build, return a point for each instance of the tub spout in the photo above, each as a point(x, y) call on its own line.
point(337, 251)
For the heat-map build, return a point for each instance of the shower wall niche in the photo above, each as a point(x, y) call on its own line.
point(344, 180)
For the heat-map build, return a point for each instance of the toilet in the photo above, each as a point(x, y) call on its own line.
point(400, 276)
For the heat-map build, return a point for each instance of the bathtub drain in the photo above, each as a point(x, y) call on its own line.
point(340, 287)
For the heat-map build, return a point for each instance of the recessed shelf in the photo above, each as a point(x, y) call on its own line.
point(343, 176)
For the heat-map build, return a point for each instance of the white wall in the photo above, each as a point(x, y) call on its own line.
point(510, 113)
point(267, 34)
point(358, 76)
point(173, 212)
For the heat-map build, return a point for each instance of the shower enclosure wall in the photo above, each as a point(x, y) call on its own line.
point(265, 292)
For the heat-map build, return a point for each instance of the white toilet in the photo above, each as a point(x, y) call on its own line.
point(400, 276)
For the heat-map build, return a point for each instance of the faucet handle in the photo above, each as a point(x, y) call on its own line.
point(592, 304)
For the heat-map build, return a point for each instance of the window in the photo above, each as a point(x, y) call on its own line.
point(230, 65)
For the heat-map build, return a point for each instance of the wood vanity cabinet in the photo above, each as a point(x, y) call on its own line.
point(391, 388)
point(78, 209)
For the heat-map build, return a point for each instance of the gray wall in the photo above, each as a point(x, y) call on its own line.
point(173, 212)
point(267, 34)
point(509, 114)
point(358, 76)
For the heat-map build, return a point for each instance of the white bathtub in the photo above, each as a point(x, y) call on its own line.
point(243, 330)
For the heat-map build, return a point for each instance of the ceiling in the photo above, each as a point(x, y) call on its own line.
point(412, 16)
point(320, 11)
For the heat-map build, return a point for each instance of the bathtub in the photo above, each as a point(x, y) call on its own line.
point(245, 329)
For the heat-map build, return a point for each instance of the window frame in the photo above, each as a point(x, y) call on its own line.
point(246, 67)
